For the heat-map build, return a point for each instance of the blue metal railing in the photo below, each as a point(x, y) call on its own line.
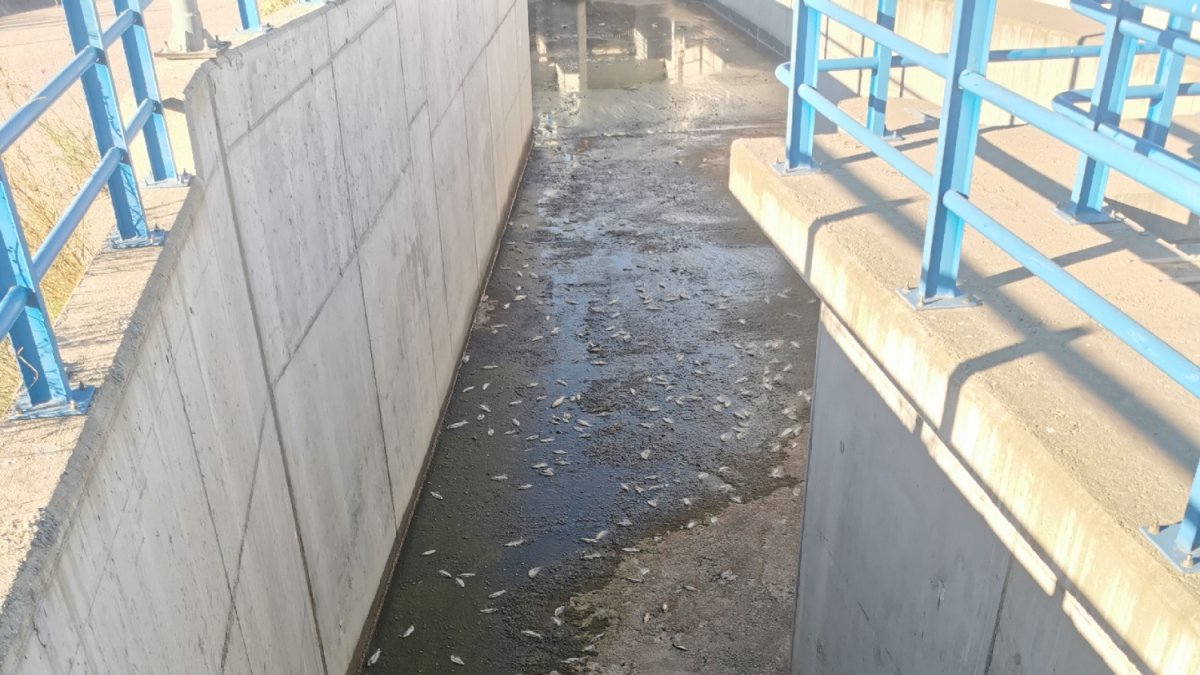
point(1094, 131)
point(23, 315)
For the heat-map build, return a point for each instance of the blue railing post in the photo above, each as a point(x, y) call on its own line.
point(1108, 101)
point(32, 333)
point(145, 88)
point(881, 74)
point(1167, 78)
point(83, 24)
point(802, 119)
point(248, 12)
point(958, 133)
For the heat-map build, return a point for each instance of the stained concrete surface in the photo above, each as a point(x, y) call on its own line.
point(631, 411)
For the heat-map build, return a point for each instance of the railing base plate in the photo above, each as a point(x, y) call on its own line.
point(77, 403)
point(913, 297)
point(1071, 214)
point(184, 179)
point(782, 170)
point(155, 238)
point(1164, 541)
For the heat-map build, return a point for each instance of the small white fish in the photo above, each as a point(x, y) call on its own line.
point(532, 634)
point(500, 476)
point(645, 454)
point(525, 486)
point(488, 610)
point(653, 502)
point(457, 660)
point(558, 611)
point(436, 495)
point(446, 574)
point(470, 388)
point(374, 658)
point(408, 632)
point(458, 424)
point(486, 385)
point(632, 549)
point(534, 572)
point(558, 401)
point(484, 407)
point(515, 542)
point(497, 594)
point(490, 367)
point(429, 552)
point(460, 582)
point(540, 465)
point(592, 556)
point(466, 575)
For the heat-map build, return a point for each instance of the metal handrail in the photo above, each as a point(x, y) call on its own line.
point(1094, 132)
point(23, 315)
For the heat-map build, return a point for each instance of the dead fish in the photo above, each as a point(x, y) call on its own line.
point(468, 389)
point(486, 385)
point(446, 574)
point(516, 402)
point(632, 549)
point(497, 594)
point(457, 660)
point(466, 575)
point(533, 572)
point(562, 382)
point(593, 555)
point(558, 611)
point(549, 473)
point(777, 472)
point(653, 502)
point(500, 476)
point(488, 610)
point(518, 298)
point(484, 407)
point(645, 454)
point(515, 542)
point(460, 582)
point(557, 621)
point(456, 425)
point(560, 452)
point(532, 634)
point(436, 495)
point(429, 552)
point(681, 647)
point(374, 658)
point(540, 465)
point(693, 589)
point(408, 631)
point(558, 401)
point(525, 486)
point(633, 580)
point(490, 367)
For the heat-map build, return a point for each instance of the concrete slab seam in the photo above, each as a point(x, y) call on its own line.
point(253, 304)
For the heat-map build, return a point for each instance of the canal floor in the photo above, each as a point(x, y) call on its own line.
point(618, 481)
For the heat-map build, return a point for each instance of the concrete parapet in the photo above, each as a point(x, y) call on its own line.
point(232, 502)
point(978, 476)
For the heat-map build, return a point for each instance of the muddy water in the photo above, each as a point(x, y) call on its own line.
point(639, 362)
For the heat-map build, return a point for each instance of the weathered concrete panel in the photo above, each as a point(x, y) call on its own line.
point(374, 138)
point(242, 478)
point(286, 216)
point(333, 443)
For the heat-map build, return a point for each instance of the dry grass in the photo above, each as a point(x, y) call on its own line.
point(45, 170)
point(268, 6)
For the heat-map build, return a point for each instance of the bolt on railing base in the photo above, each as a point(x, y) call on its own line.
point(156, 237)
point(77, 403)
point(184, 179)
point(212, 47)
point(913, 297)
point(781, 169)
point(1073, 214)
point(1163, 538)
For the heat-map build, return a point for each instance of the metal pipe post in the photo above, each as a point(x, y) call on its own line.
point(802, 119)
point(145, 88)
point(32, 334)
point(958, 134)
point(881, 74)
point(83, 24)
point(1108, 101)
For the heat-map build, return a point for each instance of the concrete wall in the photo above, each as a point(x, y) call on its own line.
point(907, 565)
point(235, 495)
point(1019, 23)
